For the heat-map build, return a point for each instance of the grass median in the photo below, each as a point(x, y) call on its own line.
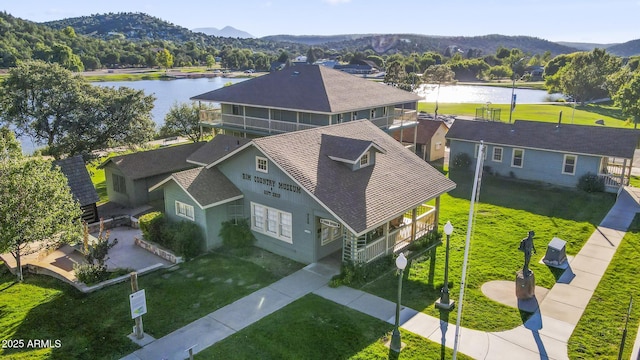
point(315, 328)
point(507, 210)
point(94, 326)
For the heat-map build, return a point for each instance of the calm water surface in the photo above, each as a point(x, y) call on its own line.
point(168, 92)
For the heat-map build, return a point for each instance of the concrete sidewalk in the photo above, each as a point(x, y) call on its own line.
point(546, 333)
point(234, 317)
point(543, 336)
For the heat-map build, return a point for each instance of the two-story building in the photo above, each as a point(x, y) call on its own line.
point(304, 97)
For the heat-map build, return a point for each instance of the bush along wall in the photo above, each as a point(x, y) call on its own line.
point(184, 238)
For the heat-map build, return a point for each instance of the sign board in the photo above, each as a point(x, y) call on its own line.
point(138, 303)
point(329, 223)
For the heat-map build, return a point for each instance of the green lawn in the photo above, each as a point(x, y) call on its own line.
point(507, 210)
point(599, 332)
point(315, 328)
point(94, 326)
point(584, 115)
point(98, 179)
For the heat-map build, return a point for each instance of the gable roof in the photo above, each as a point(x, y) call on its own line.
point(426, 129)
point(361, 199)
point(215, 149)
point(347, 149)
point(144, 164)
point(310, 88)
point(579, 139)
point(78, 179)
point(207, 187)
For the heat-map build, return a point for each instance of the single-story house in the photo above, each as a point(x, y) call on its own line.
point(130, 176)
point(304, 97)
point(430, 138)
point(348, 187)
point(81, 186)
point(552, 153)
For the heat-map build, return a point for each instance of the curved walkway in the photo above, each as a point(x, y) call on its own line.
point(543, 336)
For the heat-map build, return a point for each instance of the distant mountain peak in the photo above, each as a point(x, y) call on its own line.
point(227, 31)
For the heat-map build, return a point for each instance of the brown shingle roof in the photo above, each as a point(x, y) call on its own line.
point(426, 129)
point(79, 180)
point(311, 88)
point(365, 198)
point(215, 149)
point(207, 186)
point(154, 162)
point(580, 139)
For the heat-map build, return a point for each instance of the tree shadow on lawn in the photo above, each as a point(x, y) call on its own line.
point(534, 197)
point(85, 331)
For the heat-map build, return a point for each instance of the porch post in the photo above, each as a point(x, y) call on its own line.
point(415, 137)
point(623, 172)
point(436, 217)
point(386, 239)
point(413, 224)
point(629, 174)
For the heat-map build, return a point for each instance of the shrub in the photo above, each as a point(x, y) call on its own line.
point(90, 273)
point(425, 241)
point(152, 226)
point(236, 234)
point(461, 161)
point(359, 273)
point(186, 239)
point(590, 182)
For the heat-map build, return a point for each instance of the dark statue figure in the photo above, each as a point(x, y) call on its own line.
point(526, 246)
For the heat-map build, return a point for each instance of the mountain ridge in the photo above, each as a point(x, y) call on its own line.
point(227, 31)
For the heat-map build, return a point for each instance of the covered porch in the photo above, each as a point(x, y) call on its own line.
point(392, 237)
point(615, 173)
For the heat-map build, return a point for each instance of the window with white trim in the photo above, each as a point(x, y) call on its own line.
point(364, 160)
point(517, 158)
point(497, 154)
point(354, 115)
point(569, 164)
point(262, 164)
point(271, 222)
point(329, 234)
point(475, 153)
point(438, 145)
point(184, 210)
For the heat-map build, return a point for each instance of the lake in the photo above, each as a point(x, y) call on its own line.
point(168, 92)
point(483, 94)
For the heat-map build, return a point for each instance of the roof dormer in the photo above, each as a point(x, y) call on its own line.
point(355, 153)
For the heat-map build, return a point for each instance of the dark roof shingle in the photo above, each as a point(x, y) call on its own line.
point(215, 149)
point(154, 162)
point(78, 179)
point(399, 180)
point(426, 129)
point(311, 88)
point(580, 139)
point(206, 186)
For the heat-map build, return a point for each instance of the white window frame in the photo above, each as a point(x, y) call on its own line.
point(477, 149)
point(354, 115)
point(185, 210)
point(259, 168)
point(513, 158)
point(364, 160)
point(329, 234)
point(272, 222)
point(438, 145)
point(564, 164)
point(493, 154)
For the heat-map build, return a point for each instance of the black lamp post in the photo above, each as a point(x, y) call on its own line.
point(444, 302)
point(396, 342)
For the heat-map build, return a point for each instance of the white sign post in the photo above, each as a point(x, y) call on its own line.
point(138, 303)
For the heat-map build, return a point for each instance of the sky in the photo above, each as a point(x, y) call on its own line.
point(591, 21)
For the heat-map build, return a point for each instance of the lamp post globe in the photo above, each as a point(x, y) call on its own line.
point(396, 342)
point(444, 302)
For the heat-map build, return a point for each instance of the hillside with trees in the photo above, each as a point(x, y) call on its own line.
point(630, 48)
point(446, 45)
